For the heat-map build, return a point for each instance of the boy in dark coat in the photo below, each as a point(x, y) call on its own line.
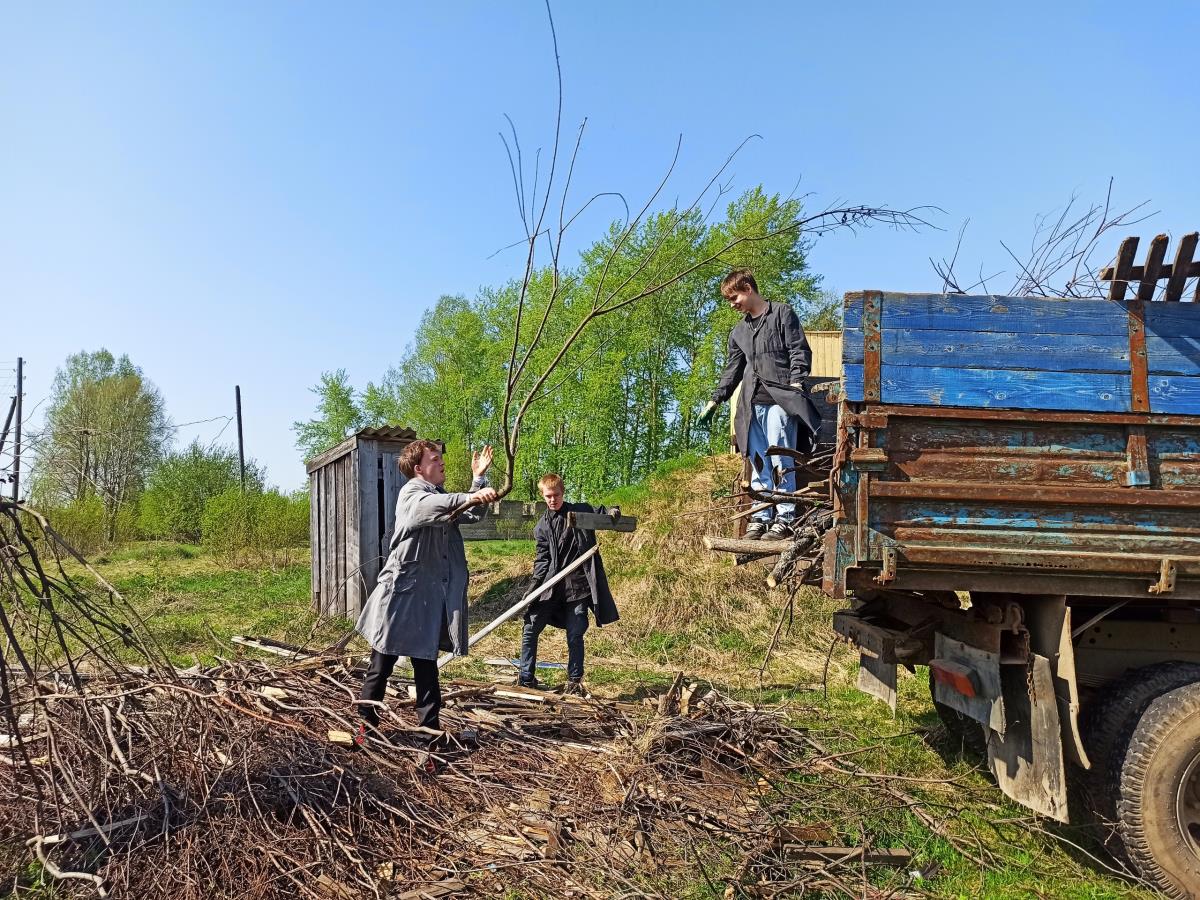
point(558, 545)
point(769, 357)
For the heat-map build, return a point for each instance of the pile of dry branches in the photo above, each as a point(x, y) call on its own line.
point(122, 775)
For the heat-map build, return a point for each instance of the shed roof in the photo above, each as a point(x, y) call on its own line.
point(392, 433)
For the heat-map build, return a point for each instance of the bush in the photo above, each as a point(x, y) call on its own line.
point(83, 524)
point(260, 527)
point(182, 484)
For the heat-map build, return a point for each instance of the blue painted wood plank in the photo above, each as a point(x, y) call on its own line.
point(996, 389)
point(852, 313)
point(1172, 354)
point(1175, 395)
point(995, 350)
point(852, 382)
point(1173, 319)
point(1025, 315)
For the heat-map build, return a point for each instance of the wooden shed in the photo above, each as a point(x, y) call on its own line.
point(353, 489)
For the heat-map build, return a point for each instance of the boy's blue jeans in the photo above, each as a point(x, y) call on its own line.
point(535, 621)
point(772, 427)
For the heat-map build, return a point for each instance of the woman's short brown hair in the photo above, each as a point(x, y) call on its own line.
point(411, 456)
point(737, 279)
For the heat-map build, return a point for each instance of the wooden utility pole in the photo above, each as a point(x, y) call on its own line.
point(237, 394)
point(16, 491)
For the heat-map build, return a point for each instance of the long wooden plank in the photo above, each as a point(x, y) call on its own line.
point(1167, 270)
point(1173, 354)
point(1040, 522)
point(368, 511)
point(1079, 496)
point(1153, 270)
point(329, 558)
point(1122, 272)
point(1025, 315)
point(341, 468)
point(1173, 319)
point(996, 350)
point(354, 591)
point(1182, 267)
point(600, 522)
point(878, 417)
point(1096, 392)
point(315, 539)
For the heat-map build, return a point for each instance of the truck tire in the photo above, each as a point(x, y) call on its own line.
point(1158, 788)
point(1108, 722)
point(967, 735)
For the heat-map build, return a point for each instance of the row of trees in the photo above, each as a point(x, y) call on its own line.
point(626, 396)
point(105, 471)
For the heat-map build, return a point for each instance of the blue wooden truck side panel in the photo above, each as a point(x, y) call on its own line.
point(1003, 487)
point(1024, 353)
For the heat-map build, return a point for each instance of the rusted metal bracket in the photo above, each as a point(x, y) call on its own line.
point(888, 573)
point(1166, 578)
point(872, 315)
point(869, 459)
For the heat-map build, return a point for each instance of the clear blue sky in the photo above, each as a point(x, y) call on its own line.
point(251, 193)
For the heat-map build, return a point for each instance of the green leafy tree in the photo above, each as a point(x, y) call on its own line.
point(106, 427)
point(624, 395)
point(172, 506)
point(338, 415)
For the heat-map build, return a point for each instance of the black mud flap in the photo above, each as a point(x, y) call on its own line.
point(1027, 759)
point(877, 678)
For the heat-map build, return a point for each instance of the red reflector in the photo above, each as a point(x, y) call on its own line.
point(957, 678)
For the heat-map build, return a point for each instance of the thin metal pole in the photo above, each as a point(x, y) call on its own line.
point(16, 491)
point(237, 393)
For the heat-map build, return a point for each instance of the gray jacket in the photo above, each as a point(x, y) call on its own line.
point(771, 349)
point(419, 604)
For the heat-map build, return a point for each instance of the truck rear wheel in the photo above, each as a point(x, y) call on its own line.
point(1158, 792)
point(1108, 723)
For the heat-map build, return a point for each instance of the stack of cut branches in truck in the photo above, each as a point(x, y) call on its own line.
point(800, 557)
point(122, 775)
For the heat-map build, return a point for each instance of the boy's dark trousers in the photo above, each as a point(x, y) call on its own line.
point(425, 676)
point(536, 620)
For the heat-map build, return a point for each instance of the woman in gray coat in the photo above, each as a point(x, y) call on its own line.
point(419, 605)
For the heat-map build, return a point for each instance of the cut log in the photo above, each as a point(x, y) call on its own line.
point(734, 545)
point(742, 559)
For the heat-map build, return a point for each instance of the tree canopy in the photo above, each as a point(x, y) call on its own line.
point(626, 395)
point(106, 427)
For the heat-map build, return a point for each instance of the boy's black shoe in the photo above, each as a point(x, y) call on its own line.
point(755, 531)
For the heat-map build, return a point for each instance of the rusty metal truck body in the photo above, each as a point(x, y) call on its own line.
point(1017, 507)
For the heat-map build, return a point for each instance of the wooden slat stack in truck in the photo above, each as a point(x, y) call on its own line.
point(1017, 497)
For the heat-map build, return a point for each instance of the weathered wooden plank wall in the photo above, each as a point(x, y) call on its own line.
point(1023, 353)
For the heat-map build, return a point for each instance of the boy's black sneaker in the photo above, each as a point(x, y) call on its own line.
point(755, 531)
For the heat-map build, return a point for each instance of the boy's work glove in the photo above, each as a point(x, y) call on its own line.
point(706, 416)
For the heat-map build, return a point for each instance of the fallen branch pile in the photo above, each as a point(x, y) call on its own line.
point(121, 775)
